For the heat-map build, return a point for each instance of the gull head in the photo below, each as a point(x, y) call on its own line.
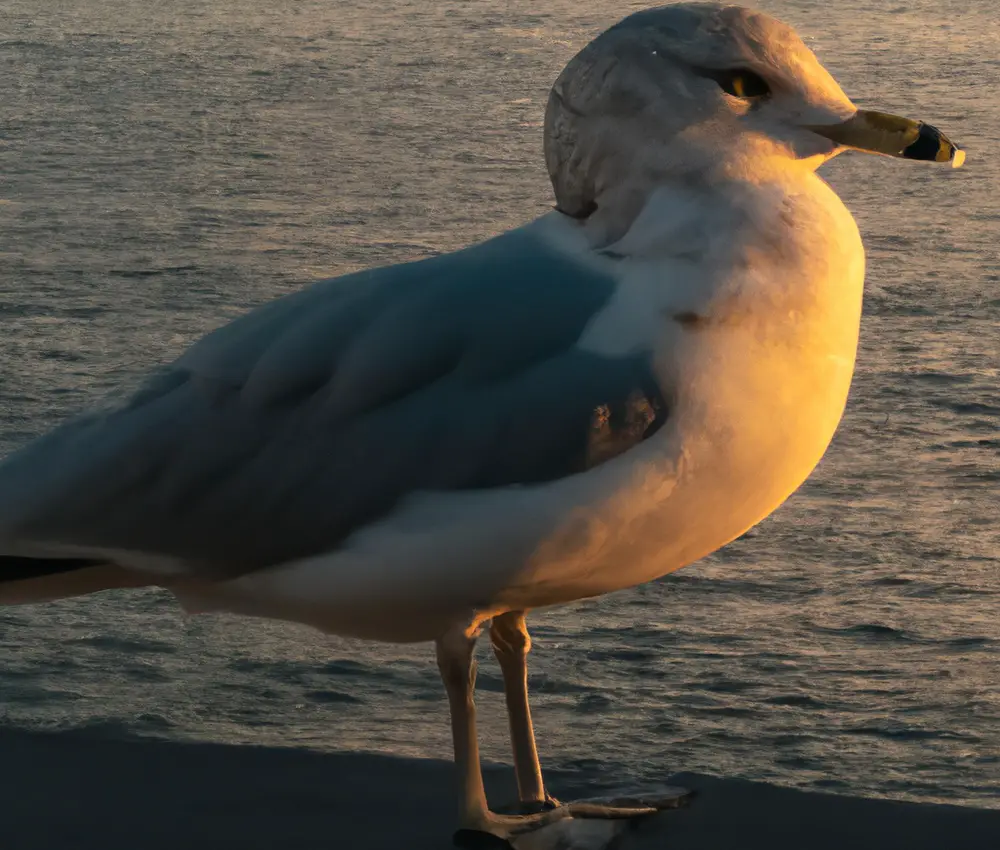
point(706, 91)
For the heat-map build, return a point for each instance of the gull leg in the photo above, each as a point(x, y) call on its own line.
point(511, 645)
point(478, 826)
point(590, 823)
point(456, 661)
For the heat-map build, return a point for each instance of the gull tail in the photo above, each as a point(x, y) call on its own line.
point(25, 580)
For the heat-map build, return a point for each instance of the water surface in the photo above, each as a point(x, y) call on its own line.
point(167, 166)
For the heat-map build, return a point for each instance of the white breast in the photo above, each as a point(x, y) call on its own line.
point(759, 355)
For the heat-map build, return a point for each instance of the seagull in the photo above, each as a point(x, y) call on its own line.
point(430, 450)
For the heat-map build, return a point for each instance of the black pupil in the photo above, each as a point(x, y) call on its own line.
point(742, 83)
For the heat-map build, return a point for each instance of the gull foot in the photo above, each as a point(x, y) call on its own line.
point(590, 824)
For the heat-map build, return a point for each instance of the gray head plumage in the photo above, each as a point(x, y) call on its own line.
point(647, 81)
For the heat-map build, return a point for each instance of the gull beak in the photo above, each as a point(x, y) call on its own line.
point(879, 132)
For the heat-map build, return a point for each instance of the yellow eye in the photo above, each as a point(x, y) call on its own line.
point(741, 83)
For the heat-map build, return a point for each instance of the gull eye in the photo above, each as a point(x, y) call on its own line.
point(741, 83)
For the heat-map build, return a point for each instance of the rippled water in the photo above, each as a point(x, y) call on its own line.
point(165, 167)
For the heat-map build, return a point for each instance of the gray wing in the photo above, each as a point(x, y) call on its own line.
point(277, 436)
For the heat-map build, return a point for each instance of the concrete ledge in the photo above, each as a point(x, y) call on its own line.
point(78, 791)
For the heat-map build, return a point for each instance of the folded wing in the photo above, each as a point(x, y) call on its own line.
point(280, 434)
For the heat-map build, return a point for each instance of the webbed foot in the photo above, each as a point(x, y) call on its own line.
point(589, 824)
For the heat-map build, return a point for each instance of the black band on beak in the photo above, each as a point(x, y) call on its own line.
point(931, 145)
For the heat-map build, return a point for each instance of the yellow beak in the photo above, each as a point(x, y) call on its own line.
point(879, 132)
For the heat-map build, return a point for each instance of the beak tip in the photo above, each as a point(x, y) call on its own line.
point(958, 158)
